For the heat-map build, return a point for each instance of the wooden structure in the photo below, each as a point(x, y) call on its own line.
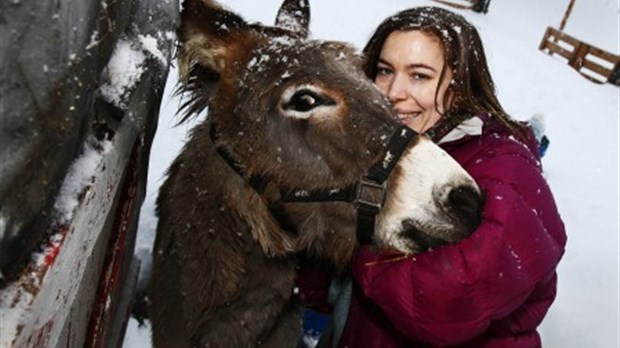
point(592, 62)
point(480, 6)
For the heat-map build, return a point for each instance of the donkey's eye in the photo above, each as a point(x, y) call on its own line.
point(305, 100)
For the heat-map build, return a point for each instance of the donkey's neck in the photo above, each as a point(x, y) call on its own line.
point(244, 200)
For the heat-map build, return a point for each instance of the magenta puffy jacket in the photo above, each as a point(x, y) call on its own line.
point(492, 289)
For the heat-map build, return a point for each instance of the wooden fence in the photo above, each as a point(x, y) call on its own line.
point(593, 63)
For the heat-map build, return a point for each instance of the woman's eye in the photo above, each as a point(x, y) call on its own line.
point(420, 76)
point(383, 71)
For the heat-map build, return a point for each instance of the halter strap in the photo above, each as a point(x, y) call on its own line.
point(361, 194)
point(367, 210)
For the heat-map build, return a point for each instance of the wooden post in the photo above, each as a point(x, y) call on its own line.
point(614, 77)
point(567, 14)
point(579, 56)
point(543, 43)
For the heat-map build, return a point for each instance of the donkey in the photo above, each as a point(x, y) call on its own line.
point(286, 114)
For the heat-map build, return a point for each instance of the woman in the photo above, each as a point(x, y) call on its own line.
point(494, 288)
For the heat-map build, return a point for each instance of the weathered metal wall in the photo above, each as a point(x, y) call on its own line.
point(54, 59)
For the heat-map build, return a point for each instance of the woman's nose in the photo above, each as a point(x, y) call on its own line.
point(397, 89)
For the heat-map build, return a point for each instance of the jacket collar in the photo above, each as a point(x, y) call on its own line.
point(470, 127)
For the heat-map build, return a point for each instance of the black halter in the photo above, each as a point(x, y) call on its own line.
point(360, 193)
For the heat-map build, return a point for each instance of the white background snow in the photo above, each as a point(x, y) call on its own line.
point(581, 164)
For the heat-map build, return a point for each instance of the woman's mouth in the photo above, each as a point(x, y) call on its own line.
point(407, 117)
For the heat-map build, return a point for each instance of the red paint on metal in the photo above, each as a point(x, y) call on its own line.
point(53, 246)
point(40, 337)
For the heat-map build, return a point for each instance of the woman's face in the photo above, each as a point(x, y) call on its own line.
point(408, 73)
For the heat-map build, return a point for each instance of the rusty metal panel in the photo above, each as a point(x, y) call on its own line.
point(59, 287)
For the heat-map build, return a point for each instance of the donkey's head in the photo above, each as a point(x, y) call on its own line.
point(300, 115)
point(286, 107)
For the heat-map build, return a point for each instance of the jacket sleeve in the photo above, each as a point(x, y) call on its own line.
point(451, 294)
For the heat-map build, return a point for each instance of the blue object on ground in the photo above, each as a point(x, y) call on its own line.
point(313, 324)
point(543, 145)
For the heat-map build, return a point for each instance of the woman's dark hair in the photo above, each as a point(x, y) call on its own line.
point(472, 88)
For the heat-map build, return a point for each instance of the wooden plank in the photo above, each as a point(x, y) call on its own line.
point(555, 48)
point(610, 57)
point(543, 42)
point(587, 64)
point(564, 37)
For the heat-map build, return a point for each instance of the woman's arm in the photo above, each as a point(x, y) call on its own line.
point(451, 294)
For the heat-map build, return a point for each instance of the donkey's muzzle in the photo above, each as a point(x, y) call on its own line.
point(466, 206)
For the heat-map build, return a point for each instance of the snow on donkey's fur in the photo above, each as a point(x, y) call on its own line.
point(299, 115)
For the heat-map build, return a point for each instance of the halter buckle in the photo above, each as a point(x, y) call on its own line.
point(364, 194)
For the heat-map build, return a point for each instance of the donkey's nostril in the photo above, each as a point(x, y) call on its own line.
point(466, 204)
point(464, 197)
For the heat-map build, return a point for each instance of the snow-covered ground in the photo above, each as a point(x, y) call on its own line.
point(582, 121)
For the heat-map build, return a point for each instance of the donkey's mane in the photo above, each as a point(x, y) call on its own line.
point(196, 92)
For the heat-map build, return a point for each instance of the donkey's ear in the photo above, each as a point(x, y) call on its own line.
point(294, 15)
point(208, 36)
